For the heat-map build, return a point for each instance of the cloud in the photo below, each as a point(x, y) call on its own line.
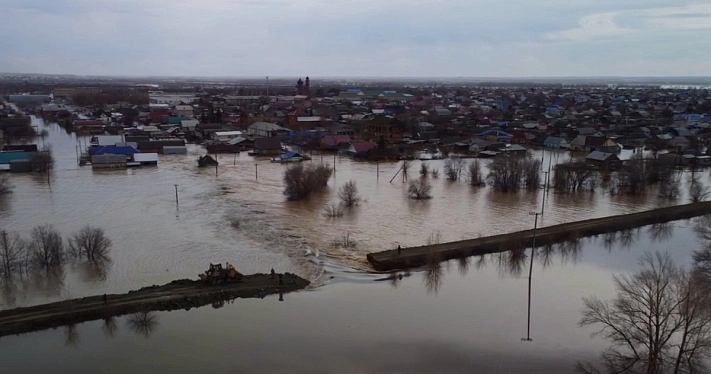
point(592, 26)
point(355, 38)
point(694, 17)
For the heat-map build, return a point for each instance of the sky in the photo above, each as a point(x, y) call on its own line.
point(357, 38)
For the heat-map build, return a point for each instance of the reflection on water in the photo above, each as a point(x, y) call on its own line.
point(463, 265)
point(143, 323)
point(661, 232)
point(71, 336)
point(433, 277)
point(512, 262)
point(476, 314)
point(109, 327)
point(93, 272)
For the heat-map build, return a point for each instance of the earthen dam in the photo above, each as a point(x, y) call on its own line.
point(181, 294)
point(418, 256)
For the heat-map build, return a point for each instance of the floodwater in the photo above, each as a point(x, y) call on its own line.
point(348, 322)
point(460, 318)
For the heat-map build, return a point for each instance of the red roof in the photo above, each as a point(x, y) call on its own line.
point(158, 114)
point(334, 140)
point(362, 147)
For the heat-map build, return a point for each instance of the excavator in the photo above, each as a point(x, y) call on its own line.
point(218, 274)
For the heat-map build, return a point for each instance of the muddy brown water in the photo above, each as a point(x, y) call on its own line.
point(352, 325)
point(455, 320)
point(156, 241)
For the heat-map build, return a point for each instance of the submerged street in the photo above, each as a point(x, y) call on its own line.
point(455, 317)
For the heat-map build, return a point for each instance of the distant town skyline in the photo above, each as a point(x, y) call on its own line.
point(364, 38)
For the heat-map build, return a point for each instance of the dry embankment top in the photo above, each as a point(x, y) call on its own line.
point(180, 294)
point(419, 256)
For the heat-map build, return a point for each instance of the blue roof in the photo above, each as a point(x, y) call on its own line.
point(289, 154)
point(7, 157)
point(114, 150)
point(494, 132)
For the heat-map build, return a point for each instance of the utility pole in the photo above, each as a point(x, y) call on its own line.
point(176, 194)
point(545, 188)
point(530, 274)
point(548, 175)
point(216, 163)
point(256, 171)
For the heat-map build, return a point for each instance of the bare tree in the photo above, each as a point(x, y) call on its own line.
point(419, 189)
point(669, 185)
point(47, 246)
point(43, 160)
point(424, 169)
point(332, 211)
point(632, 178)
point(12, 248)
point(506, 173)
point(349, 194)
point(90, 242)
point(346, 242)
point(573, 176)
point(697, 191)
point(531, 173)
point(476, 177)
point(301, 181)
point(658, 323)
point(5, 185)
point(453, 168)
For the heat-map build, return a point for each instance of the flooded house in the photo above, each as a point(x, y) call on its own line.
point(555, 142)
point(16, 161)
point(360, 149)
point(266, 130)
point(586, 143)
point(334, 142)
point(267, 147)
point(602, 159)
point(389, 128)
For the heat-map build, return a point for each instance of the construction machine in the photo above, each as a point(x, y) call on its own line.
point(218, 274)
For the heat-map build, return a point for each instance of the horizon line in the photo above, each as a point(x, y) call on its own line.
point(260, 77)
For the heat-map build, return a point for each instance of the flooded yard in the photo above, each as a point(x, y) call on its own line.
point(466, 316)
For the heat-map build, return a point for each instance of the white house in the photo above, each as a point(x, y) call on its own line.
point(189, 124)
point(223, 136)
point(265, 129)
point(184, 111)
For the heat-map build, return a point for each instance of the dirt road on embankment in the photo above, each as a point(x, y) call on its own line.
point(413, 257)
point(181, 294)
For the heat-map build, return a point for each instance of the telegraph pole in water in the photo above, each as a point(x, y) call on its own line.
point(176, 194)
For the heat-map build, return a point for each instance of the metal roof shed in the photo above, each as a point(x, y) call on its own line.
point(146, 158)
